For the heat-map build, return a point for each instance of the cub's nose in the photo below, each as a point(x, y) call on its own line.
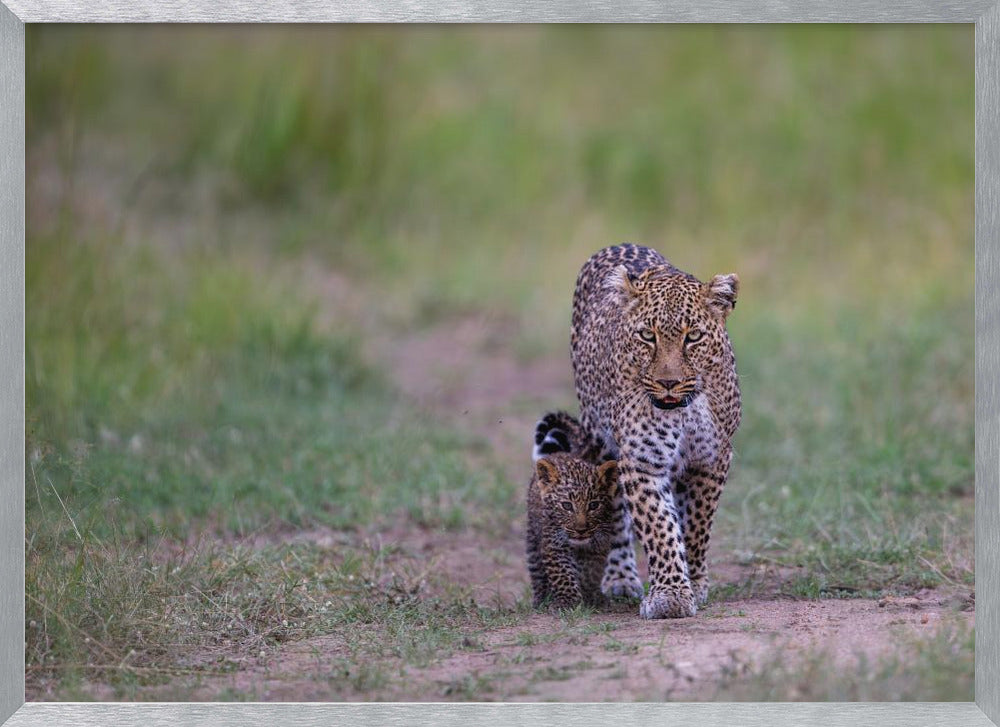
point(668, 384)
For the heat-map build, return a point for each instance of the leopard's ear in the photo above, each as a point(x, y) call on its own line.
point(547, 475)
point(607, 475)
point(623, 286)
point(720, 294)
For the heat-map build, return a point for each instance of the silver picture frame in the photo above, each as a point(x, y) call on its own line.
point(984, 14)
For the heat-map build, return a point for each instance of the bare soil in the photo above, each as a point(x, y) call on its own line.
point(627, 659)
point(610, 655)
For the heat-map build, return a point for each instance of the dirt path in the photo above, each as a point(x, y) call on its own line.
point(479, 384)
point(610, 656)
point(615, 656)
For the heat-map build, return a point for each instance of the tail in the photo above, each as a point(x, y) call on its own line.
point(556, 432)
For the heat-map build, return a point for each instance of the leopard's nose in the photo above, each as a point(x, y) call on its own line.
point(668, 384)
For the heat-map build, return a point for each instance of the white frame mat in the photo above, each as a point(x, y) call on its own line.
point(986, 16)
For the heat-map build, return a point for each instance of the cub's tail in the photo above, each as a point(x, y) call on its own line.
point(556, 432)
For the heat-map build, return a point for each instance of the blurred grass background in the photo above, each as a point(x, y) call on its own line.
point(198, 196)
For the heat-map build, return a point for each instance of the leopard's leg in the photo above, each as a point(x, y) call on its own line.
point(561, 572)
point(698, 493)
point(654, 514)
point(621, 574)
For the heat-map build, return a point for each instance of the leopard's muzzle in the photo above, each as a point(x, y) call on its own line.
point(673, 394)
point(670, 401)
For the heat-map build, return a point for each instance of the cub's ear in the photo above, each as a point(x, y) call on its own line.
point(720, 294)
point(547, 475)
point(607, 474)
point(623, 286)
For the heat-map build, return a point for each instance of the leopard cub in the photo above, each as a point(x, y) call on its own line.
point(571, 526)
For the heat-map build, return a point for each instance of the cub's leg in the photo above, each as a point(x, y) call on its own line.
point(698, 493)
point(591, 569)
point(654, 514)
point(536, 568)
point(561, 573)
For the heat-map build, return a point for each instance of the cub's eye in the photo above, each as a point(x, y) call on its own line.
point(693, 336)
point(647, 335)
point(593, 506)
point(567, 506)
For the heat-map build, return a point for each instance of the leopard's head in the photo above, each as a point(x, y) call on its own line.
point(579, 497)
point(673, 329)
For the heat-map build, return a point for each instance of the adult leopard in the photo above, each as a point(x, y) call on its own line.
point(656, 378)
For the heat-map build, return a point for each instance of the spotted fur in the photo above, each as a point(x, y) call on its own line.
point(656, 379)
point(570, 529)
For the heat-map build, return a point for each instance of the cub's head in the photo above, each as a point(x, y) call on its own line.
point(578, 497)
point(674, 329)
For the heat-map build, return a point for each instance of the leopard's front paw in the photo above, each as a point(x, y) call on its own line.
point(621, 585)
point(668, 603)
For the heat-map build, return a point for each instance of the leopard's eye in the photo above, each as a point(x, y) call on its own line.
point(693, 336)
point(593, 505)
point(567, 506)
point(647, 335)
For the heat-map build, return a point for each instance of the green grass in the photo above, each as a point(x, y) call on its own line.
point(171, 399)
point(385, 149)
point(867, 480)
point(135, 616)
point(211, 255)
point(143, 387)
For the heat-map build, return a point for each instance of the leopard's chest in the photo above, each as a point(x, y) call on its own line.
point(667, 442)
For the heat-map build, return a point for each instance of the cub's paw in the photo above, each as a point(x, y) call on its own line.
point(564, 604)
point(668, 604)
point(621, 585)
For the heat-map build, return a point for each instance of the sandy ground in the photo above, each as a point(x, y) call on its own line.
point(631, 660)
point(610, 656)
